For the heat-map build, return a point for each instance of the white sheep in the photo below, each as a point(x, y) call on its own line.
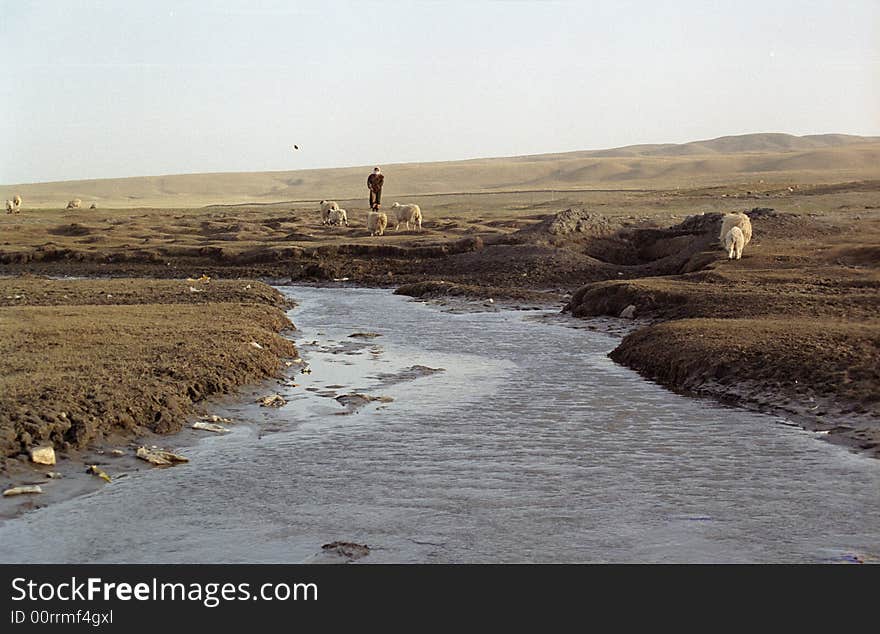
point(407, 214)
point(337, 217)
point(377, 221)
point(326, 207)
point(10, 206)
point(76, 203)
point(735, 241)
point(17, 202)
point(728, 221)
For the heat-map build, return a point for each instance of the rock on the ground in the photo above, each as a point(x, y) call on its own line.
point(43, 455)
point(349, 550)
point(629, 312)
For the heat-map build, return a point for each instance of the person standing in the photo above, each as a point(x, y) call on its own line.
point(374, 184)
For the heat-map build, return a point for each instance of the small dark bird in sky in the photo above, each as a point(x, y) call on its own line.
point(295, 147)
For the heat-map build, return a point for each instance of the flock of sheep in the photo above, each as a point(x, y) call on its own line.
point(377, 221)
point(14, 206)
point(736, 228)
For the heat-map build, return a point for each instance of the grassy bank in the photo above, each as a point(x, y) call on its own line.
point(80, 360)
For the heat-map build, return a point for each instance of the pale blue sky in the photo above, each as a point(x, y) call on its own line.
point(105, 89)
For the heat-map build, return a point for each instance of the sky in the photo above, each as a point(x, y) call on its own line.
point(98, 89)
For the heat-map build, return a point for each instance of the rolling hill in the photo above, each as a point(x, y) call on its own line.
point(750, 158)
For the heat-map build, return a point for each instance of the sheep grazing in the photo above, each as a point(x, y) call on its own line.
point(13, 206)
point(93, 206)
point(337, 217)
point(406, 214)
point(377, 221)
point(736, 233)
point(734, 242)
point(76, 203)
point(326, 207)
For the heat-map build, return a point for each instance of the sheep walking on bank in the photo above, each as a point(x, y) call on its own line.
point(734, 242)
point(10, 207)
point(326, 207)
point(337, 217)
point(377, 221)
point(736, 233)
point(76, 203)
point(17, 202)
point(406, 214)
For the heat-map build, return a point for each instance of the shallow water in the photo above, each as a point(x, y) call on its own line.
point(530, 446)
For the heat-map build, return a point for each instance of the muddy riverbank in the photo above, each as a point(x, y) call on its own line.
point(85, 360)
point(791, 328)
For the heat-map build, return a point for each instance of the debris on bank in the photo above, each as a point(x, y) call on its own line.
point(95, 470)
point(22, 490)
point(217, 429)
point(273, 400)
point(160, 457)
point(213, 418)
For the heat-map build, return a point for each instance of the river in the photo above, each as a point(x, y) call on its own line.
point(508, 439)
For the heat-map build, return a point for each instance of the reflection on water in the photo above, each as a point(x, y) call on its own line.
point(530, 445)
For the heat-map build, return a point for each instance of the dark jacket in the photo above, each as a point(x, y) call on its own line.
point(375, 181)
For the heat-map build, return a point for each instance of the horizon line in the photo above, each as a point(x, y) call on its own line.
point(865, 137)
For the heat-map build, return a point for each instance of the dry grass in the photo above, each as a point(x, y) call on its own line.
point(72, 370)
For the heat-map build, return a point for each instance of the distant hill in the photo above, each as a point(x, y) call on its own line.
point(740, 144)
point(777, 158)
